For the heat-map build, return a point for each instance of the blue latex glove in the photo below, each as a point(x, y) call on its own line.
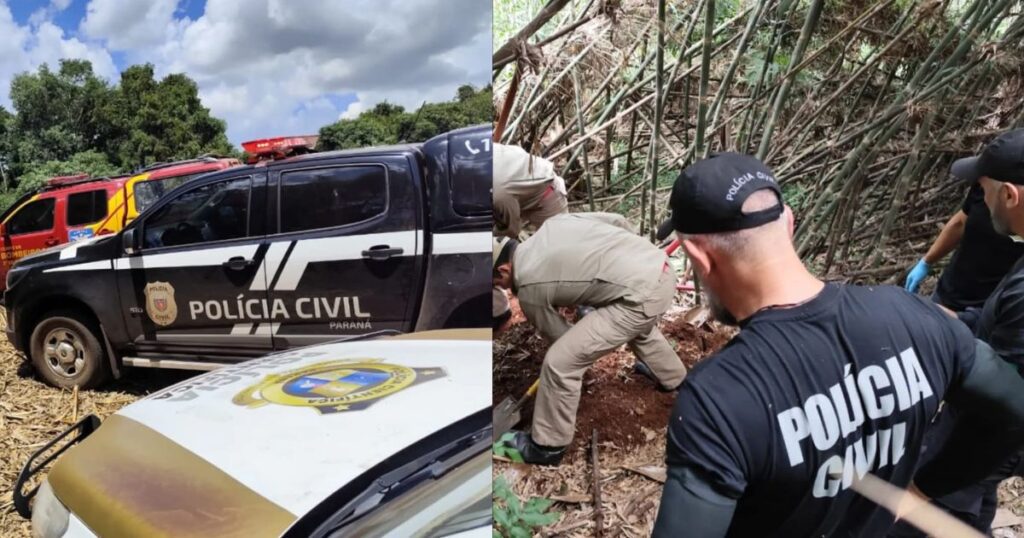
point(917, 275)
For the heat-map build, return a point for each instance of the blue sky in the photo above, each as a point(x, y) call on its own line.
point(267, 67)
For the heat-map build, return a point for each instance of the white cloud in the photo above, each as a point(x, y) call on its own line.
point(352, 111)
point(37, 16)
point(129, 24)
point(51, 46)
point(25, 48)
point(47, 12)
point(266, 66)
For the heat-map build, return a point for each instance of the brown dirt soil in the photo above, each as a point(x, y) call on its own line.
point(695, 343)
point(32, 413)
point(624, 407)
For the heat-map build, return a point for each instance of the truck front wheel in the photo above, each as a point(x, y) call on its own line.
point(66, 351)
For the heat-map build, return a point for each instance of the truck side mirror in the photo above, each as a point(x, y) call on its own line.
point(128, 241)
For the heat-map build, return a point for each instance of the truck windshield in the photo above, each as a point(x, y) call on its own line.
point(147, 192)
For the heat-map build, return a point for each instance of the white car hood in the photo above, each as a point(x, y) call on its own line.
point(294, 427)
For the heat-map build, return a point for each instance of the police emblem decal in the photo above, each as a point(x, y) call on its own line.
point(160, 305)
point(335, 386)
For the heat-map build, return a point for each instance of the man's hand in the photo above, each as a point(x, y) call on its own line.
point(916, 276)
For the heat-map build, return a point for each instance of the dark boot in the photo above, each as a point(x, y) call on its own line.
point(519, 447)
point(640, 368)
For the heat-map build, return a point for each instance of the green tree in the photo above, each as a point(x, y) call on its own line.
point(6, 147)
point(58, 114)
point(162, 121)
point(374, 127)
point(139, 121)
point(386, 123)
point(92, 163)
point(71, 121)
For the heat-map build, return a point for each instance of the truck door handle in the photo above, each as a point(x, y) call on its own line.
point(381, 252)
point(51, 242)
point(237, 263)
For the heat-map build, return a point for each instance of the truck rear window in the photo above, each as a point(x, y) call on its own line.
point(87, 207)
point(329, 197)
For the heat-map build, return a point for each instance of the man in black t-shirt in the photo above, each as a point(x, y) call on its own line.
point(998, 174)
point(823, 384)
point(981, 259)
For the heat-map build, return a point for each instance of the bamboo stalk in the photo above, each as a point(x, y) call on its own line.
point(810, 24)
point(705, 69)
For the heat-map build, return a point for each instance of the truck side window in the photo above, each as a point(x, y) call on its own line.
point(87, 207)
point(36, 216)
point(214, 212)
point(329, 197)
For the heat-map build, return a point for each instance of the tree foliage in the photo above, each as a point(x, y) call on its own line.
point(70, 121)
point(162, 120)
point(387, 123)
point(90, 162)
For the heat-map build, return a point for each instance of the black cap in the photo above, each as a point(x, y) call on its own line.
point(1002, 160)
point(708, 196)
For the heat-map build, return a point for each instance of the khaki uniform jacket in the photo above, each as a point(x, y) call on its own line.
point(592, 259)
point(520, 182)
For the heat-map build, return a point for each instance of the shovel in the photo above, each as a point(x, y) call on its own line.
point(506, 414)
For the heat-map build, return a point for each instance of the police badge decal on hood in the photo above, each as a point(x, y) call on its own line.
point(334, 386)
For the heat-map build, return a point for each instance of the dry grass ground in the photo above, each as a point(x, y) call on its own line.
point(32, 413)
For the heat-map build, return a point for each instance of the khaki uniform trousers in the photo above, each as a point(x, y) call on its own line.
point(597, 334)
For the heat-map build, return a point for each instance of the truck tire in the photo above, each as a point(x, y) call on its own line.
point(66, 351)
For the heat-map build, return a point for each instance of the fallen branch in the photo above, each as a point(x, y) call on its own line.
point(507, 52)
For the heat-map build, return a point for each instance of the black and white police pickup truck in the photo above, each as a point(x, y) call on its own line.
point(278, 254)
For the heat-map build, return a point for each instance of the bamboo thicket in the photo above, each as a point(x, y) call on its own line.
point(858, 106)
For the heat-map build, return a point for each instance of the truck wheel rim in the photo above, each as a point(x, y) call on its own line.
point(64, 352)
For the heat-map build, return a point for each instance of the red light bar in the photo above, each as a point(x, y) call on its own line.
point(280, 146)
point(66, 180)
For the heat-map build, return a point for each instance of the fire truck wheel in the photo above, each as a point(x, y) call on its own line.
point(67, 352)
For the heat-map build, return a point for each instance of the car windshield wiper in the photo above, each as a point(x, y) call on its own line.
point(428, 467)
point(428, 459)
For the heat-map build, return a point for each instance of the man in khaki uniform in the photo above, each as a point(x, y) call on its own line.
point(527, 191)
point(594, 259)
